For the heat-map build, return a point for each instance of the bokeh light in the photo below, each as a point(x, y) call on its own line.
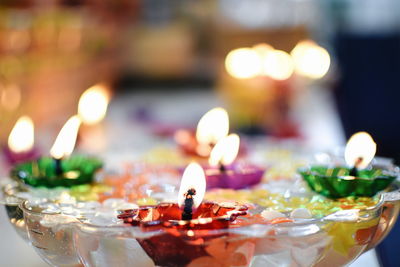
point(310, 59)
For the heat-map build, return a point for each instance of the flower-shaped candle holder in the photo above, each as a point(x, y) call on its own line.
point(337, 182)
point(179, 244)
point(188, 144)
point(76, 170)
point(235, 176)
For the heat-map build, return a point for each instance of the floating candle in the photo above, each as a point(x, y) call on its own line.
point(92, 109)
point(224, 172)
point(360, 179)
point(184, 230)
point(21, 142)
point(93, 103)
point(60, 169)
point(192, 190)
point(359, 152)
point(213, 126)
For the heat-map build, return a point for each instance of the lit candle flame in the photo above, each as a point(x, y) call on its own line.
point(66, 139)
point(225, 151)
point(360, 150)
point(193, 178)
point(22, 136)
point(243, 63)
point(213, 126)
point(310, 59)
point(278, 65)
point(93, 104)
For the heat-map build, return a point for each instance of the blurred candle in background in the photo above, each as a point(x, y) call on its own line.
point(20, 145)
point(212, 127)
point(256, 84)
point(225, 171)
point(92, 109)
point(310, 59)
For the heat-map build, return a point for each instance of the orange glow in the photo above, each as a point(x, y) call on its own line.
point(11, 97)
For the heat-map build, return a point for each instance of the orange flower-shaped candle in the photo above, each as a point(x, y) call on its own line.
point(177, 234)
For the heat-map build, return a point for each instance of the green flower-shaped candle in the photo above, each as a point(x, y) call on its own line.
point(60, 169)
point(361, 179)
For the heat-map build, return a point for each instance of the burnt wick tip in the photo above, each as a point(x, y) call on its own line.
point(354, 170)
point(58, 167)
point(358, 162)
point(188, 207)
point(190, 193)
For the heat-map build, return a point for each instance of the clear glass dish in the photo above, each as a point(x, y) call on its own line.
point(11, 204)
point(65, 237)
point(334, 240)
point(50, 235)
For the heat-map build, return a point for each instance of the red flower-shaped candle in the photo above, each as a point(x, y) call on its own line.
point(184, 233)
point(224, 172)
point(21, 142)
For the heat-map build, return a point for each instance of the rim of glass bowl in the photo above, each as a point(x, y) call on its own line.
point(8, 194)
point(25, 207)
point(305, 227)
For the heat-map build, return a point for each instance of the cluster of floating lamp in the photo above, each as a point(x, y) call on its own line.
point(182, 232)
point(307, 59)
point(60, 169)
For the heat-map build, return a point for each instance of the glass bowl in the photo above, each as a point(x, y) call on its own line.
point(334, 240)
point(70, 238)
point(251, 245)
point(14, 194)
point(11, 204)
point(337, 239)
point(50, 234)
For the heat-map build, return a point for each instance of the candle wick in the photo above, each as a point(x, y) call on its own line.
point(57, 166)
point(222, 168)
point(354, 170)
point(187, 213)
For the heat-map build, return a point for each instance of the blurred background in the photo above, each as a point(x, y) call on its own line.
point(313, 71)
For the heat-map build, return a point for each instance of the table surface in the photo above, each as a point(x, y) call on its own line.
point(320, 126)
